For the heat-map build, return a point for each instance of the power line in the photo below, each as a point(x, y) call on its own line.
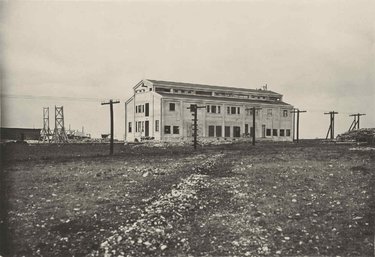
point(48, 97)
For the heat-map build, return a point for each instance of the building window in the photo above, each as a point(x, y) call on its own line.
point(282, 132)
point(143, 108)
point(208, 108)
point(218, 109)
point(274, 132)
point(143, 126)
point(213, 109)
point(268, 132)
point(288, 132)
point(269, 112)
point(211, 131)
point(246, 129)
point(218, 131)
point(167, 129)
point(156, 125)
point(228, 110)
point(176, 130)
point(192, 107)
point(227, 131)
point(238, 110)
point(233, 110)
point(139, 126)
point(285, 113)
point(136, 126)
point(236, 131)
point(130, 127)
point(172, 106)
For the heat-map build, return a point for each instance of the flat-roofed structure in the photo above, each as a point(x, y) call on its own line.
point(159, 110)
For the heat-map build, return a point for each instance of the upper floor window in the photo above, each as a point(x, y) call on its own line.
point(213, 108)
point(172, 106)
point(269, 112)
point(285, 113)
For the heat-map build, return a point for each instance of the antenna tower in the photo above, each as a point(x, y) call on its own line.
point(59, 135)
point(46, 132)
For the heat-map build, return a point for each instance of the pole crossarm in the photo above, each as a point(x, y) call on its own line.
point(111, 103)
point(331, 129)
point(298, 111)
point(355, 123)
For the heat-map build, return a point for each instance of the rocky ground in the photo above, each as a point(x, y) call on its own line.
point(234, 200)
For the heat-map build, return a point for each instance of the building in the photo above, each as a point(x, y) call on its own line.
point(159, 110)
point(19, 134)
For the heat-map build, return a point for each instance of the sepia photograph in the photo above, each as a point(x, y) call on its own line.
point(187, 128)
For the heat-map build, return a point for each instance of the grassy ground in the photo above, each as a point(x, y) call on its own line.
point(233, 200)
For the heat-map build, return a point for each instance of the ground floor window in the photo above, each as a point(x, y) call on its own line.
point(268, 132)
point(129, 127)
point(176, 130)
point(246, 129)
point(156, 125)
point(282, 132)
point(236, 131)
point(227, 131)
point(288, 132)
point(167, 129)
point(274, 132)
point(218, 131)
point(211, 131)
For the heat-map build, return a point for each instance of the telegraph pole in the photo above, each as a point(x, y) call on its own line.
point(331, 129)
point(111, 103)
point(298, 112)
point(355, 122)
point(253, 109)
point(194, 108)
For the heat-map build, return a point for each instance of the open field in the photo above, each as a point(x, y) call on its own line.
point(274, 199)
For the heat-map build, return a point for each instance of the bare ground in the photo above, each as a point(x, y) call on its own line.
point(234, 200)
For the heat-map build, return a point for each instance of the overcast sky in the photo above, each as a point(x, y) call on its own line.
point(319, 54)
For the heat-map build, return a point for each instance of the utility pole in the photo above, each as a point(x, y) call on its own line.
point(111, 103)
point(253, 110)
point(331, 129)
point(355, 122)
point(298, 112)
point(194, 108)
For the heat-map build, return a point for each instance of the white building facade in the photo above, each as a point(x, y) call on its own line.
point(159, 110)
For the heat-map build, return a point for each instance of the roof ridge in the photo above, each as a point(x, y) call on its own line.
point(197, 84)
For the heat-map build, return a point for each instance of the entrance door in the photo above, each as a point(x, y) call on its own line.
point(146, 128)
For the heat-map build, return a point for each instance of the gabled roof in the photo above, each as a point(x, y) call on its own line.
point(191, 85)
point(228, 99)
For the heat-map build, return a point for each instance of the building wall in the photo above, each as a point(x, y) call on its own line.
point(139, 119)
point(182, 117)
point(19, 134)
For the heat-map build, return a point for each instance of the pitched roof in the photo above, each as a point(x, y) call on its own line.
point(191, 85)
point(215, 98)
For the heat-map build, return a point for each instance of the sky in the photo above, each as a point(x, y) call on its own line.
point(319, 54)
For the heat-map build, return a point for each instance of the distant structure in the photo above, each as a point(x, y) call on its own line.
point(160, 110)
point(46, 131)
point(59, 135)
point(355, 123)
point(77, 135)
point(19, 134)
